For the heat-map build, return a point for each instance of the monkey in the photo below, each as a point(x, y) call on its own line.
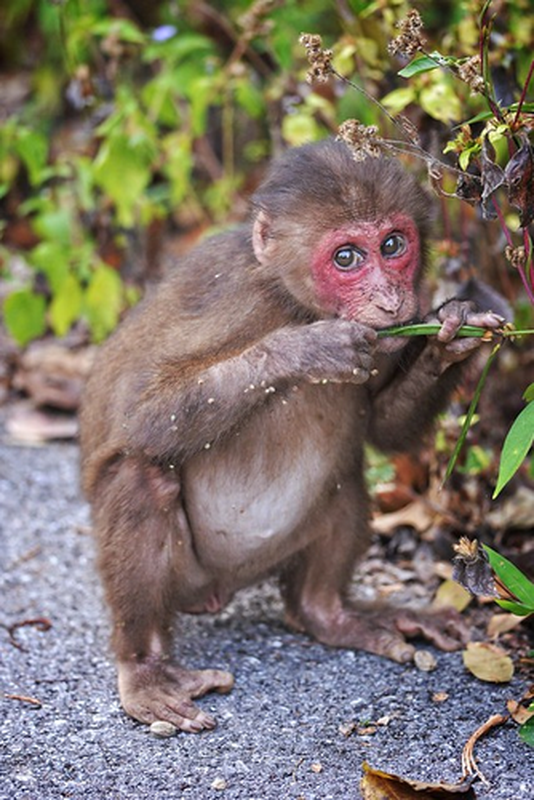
point(222, 428)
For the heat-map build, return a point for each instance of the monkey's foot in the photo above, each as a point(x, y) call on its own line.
point(383, 631)
point(160, 690)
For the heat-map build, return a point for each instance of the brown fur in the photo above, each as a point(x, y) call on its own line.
point(222, 430)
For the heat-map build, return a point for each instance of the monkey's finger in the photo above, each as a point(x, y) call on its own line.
point(210, 680)
point(485, 319)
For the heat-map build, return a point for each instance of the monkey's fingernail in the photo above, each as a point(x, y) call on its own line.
point(374, 372)
point(356, 371)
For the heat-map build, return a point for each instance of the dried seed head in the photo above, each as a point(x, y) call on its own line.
point(410, 39)
point(516, 256)
point(470, 73)
point(253, 22)
point(320, 60)
point(362, 139)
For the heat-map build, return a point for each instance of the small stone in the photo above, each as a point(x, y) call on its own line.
point(424, 660)
point(316, 767)
point(219, 784)
point(162, 729)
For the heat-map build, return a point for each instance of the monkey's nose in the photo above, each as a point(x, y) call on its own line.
point(390, 302)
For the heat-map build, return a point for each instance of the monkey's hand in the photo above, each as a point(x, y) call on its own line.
point(452, 315)
point(329, 351)
point(160, 690)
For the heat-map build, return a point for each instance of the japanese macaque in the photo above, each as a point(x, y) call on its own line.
point(223, 425)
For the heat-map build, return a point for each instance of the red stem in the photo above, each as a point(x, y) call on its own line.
point(523, 93)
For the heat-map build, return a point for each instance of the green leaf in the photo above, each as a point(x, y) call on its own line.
point(66, 306)
point(421, 63)
point(50, 258)
point(250, 98)
point(25, 315)
point(518, 609)
point(526, 732)
point(512, 577)
point(32, 148)
point(440, 101)
point(103, 301)
point(397, 100)
point(471, 412)
point(528, 394)
point(54, 225)
point(123, 170)
point(300, 128)
point(516, 446)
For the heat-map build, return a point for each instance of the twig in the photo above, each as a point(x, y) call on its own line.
point(469, 765)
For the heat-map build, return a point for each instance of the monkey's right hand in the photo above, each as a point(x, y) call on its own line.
point(329, 351)
point(160, 690)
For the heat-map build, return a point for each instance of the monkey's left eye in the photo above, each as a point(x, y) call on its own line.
point(393, 245)
point(348, 257)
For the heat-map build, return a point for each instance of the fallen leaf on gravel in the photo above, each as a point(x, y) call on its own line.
point(502, 623)
point(487, 662)
point(378, 785)
point(519, 713)
point(451, 595)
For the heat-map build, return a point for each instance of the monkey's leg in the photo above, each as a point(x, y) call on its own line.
point(146, 561)
point(316, 585)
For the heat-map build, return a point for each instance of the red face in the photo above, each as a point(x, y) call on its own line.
point(367, 271)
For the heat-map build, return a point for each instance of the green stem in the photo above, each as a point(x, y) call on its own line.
point(471, 412)
point(466, 331)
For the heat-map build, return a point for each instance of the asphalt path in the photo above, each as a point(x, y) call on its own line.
point(282, 731)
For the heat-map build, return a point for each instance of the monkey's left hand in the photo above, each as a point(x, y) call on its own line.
point(452, 315)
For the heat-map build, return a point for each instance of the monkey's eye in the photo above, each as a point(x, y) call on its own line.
point(348, 257)
point(393, 245)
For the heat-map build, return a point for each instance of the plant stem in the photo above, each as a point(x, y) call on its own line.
point(466, 331)
point(523, 94)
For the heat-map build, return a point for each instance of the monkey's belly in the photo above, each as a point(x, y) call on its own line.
point(248, 501)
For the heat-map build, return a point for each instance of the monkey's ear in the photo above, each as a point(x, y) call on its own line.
point(262, 242)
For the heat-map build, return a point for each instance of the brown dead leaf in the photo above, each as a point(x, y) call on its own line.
point(519, 713)
point(487, 662)
point(416, 514)
point(502, 623)
point(451, 595)
point(30, 426)
point(378, 785)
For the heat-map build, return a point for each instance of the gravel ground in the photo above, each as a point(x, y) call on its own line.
point(279, 729)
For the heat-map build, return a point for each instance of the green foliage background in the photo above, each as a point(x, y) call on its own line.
point(143, 116)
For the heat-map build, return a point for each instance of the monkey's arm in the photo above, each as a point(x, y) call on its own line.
point(184, 408)
point(426, 377)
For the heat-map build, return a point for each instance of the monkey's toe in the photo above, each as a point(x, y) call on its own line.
point(160, 690)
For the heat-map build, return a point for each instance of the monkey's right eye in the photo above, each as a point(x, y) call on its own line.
point(348, 257)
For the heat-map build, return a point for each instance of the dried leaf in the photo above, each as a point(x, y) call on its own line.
point(469, 188)
point(519, 174)
point(519, 713)
point(502, 623)
point(472, 569)
point(487, 662)
point(451, 595)
point(492, 177)
point(378, 785)
point(416, 514)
